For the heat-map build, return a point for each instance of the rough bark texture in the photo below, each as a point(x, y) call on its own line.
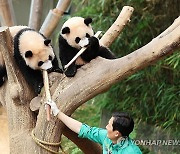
point(70, 93)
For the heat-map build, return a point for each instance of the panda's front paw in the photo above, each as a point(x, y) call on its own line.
point(58, 70)
point(38, 88)
point(93, 42)
point(2, 81)
point(70, 72)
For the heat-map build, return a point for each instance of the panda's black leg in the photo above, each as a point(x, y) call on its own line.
point(3, 74)
point(39, 87)
point(71, 70)
point(35, 79)
point(106, 53)
point(36, 83)
point(1, 81)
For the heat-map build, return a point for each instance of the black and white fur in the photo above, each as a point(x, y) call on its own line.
point(33, 53)
point(75, 34)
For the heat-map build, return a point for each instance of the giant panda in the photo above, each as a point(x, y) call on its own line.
point(76, 33)
point(33, 53)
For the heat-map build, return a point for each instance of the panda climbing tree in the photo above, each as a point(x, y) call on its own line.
point(90, 80)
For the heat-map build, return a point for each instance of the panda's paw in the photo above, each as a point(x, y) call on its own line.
point(93, 42)
point(2, 81)
point(39, 87)
point(70, 72)
point(58, 70)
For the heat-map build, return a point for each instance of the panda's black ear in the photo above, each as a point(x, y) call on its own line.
point(87, 21)
point(47, 41)
point(65, 30)
point(28, 54)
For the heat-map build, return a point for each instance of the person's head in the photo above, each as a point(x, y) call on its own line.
point(120, 125)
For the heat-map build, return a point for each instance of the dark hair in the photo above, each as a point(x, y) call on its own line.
point(123, 123)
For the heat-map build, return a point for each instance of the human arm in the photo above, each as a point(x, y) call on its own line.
point(71, 123)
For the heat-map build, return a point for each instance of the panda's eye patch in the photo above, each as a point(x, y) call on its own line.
point(87, 35)
point(40, 63)
point(50, 57)
point(77, 40)
point(28, 54)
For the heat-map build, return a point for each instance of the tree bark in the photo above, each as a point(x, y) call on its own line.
point(7, 13)
point(69, 93)
point(35, 14)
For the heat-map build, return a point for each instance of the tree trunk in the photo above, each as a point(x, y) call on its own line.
point(69, 93)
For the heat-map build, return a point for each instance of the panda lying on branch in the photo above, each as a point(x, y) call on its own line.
point(75, 34)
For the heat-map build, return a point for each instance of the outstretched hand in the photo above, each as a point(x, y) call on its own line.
point(53, 106)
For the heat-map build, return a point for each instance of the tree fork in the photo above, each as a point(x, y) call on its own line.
point(70, 93)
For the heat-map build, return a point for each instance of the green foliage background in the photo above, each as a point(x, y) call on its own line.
point(152, 95)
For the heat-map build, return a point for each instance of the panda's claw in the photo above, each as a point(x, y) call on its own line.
point(39, 87)
point(70, 72)
point(58, 70)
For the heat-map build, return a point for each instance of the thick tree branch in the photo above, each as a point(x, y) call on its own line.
point(94, 78)
point(88, 84)
point(117, 28)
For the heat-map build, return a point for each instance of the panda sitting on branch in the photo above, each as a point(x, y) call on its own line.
point(75, 34)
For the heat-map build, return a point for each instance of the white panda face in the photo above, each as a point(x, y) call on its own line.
point(76, 31)
point(37, 52)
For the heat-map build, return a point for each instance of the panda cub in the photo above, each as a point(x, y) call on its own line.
point(75, 34)
point(33, 53)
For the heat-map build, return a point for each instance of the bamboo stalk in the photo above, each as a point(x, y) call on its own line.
point(7, 13)
point(35, 14)
point(47, 92)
